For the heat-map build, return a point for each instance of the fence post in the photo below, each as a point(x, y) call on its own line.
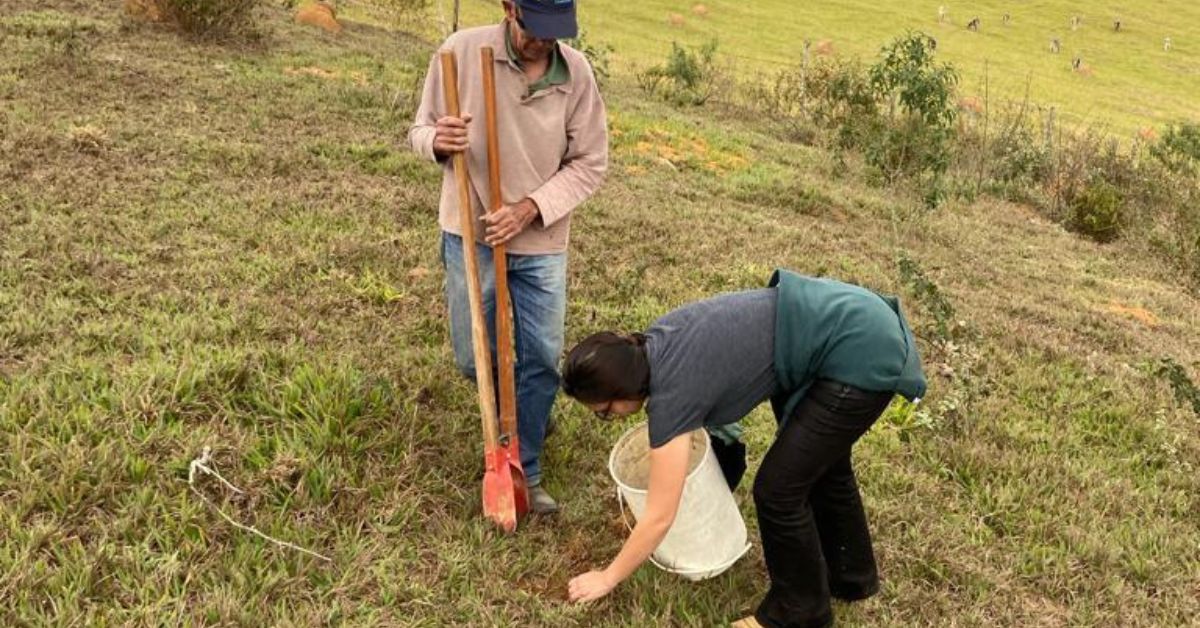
point(1048, 131)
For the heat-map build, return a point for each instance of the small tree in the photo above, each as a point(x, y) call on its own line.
point(913, 83)
point(689, 77)
point(918, 95)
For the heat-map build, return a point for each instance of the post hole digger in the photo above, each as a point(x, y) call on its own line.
point(505, 495)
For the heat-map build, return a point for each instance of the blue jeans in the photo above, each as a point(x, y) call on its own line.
point(537, 285)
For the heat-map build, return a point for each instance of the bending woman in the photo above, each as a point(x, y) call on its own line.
point(829, 356)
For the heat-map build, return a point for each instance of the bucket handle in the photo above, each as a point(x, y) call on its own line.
point(621, 505)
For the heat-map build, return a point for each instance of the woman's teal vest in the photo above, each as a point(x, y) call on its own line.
point(834, 330)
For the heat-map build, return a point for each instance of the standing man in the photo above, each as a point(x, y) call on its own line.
point(553, 156)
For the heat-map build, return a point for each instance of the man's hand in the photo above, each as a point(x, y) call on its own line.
point(592, 585)
point(505, 223)
point(450, 135)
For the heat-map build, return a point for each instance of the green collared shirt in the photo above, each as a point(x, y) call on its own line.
point(557, 72)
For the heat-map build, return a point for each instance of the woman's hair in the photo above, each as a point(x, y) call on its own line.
point(607, 366)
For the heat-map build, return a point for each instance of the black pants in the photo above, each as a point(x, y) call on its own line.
point(810, 514)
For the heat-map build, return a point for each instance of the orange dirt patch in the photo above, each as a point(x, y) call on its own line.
point(1137, 313)
point(143, 10)
point(970, 104)
point(311, 70)
point(685, 150)
point(823, 47)
point(319, 15)
point(358, 77)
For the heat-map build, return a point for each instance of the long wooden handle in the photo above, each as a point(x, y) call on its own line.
point(479, 337)
point(504, 337)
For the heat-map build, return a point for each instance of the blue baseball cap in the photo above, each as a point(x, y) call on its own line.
point(549, 19)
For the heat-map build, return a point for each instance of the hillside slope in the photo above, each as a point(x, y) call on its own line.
point(1127, 81)
point(232, 248)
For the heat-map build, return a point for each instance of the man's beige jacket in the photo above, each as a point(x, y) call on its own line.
point(553, 143)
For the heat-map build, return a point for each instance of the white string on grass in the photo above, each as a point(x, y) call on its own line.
point(204, 464)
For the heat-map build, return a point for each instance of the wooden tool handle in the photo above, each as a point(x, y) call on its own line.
point(504, 337)
point(479, 337)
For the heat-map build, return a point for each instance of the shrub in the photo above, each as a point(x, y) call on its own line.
point(688, 78)
point(1175, 222)
point(1100, 189)
point(1017, 159)
point(899, 113)
point(841, 99)
point(785, 94)
point(1073, 167)
point(1097, 211)
point(1008, 152)
point(1186, 391)
point(785, 99)
point(1179, 148)
point(213, 19)
point(831, 94)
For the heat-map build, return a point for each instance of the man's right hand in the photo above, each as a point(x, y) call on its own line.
point(451, 135)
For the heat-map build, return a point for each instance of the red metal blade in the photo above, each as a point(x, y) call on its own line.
point(500, 492)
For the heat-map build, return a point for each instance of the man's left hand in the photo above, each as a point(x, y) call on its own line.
point(592, 585)
point(505, 223)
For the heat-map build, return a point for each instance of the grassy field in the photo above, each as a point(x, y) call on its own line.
point(1130, 82)
point(232, 248)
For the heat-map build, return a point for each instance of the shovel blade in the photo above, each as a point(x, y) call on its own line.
point(500, 490)
point(498, 502)
point(520, 488)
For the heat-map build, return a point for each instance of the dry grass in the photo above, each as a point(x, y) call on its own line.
point(203, 246)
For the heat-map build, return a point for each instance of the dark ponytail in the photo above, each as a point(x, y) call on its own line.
point(607, 366)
